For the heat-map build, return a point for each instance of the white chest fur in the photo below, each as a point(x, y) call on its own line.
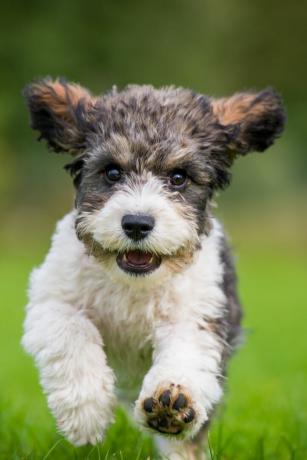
point(126, 314)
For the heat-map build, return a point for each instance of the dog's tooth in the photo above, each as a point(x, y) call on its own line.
point(124, 257)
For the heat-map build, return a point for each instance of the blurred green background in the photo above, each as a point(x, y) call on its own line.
point(215, 47)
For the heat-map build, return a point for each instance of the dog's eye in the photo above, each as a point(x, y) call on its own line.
point(178, 178)
point(113, 173)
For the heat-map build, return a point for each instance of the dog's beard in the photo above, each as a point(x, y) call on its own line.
point(140, 259)
point(171, 243)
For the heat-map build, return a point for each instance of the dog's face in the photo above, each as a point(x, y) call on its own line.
point(147, 162)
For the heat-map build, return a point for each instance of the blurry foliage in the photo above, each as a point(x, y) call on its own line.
point(214, 47)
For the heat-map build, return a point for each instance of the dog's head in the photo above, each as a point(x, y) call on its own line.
point(147, 162)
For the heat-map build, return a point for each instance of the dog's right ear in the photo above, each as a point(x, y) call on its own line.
point(253, 120)
point(58, 110)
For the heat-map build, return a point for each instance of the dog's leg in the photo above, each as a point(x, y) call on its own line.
point(181, 450)
point(183, 384)
point(74, 374)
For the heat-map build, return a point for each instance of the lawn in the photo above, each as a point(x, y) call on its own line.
point(264, 415)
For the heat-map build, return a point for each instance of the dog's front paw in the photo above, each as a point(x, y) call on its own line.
point(83, 425)
point(82, 418)
point(169, 410)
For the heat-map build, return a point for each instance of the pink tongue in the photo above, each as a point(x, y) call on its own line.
point(138, 257)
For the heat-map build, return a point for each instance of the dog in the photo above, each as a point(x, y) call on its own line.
point(139, 288)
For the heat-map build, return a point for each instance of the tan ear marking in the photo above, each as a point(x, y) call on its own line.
point(232, 110)
point(59, 111)
point(60, 97)
point(258, 117)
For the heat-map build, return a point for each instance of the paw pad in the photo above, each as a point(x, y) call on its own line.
point(169, 410)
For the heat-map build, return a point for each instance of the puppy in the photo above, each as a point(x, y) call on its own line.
point(139, 287)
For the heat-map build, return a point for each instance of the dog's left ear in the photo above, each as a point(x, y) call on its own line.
point(59, 110)
point(252, 120)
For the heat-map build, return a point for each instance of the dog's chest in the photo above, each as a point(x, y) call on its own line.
point(126, 322)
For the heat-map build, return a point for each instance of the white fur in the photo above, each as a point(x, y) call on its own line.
point(172, 230)
point(172, 449)
point(80, 319)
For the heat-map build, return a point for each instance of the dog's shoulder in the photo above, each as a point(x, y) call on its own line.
point(63, 271)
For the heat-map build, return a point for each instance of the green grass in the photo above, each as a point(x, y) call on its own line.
point(264, 415)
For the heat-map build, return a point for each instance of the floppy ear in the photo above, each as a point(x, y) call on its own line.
point(253, 120)
point(58, 111)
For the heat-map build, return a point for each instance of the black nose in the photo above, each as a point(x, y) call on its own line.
point(137, 226)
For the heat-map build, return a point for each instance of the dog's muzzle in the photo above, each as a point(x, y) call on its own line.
point(137, 227)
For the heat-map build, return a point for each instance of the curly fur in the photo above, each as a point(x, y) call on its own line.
point(164, 338)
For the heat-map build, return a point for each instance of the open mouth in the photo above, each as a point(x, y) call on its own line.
point(138, 262)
